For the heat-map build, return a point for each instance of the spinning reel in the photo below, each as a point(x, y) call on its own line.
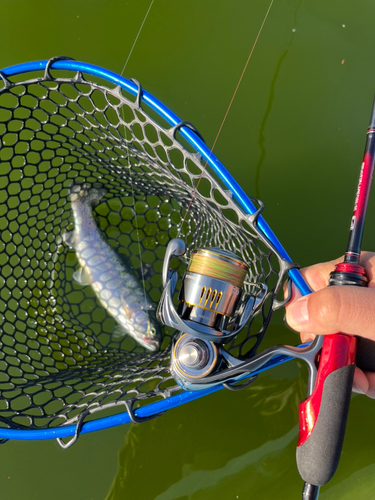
point(213, 308)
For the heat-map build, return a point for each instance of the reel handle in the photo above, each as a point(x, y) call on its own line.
point(324, 414)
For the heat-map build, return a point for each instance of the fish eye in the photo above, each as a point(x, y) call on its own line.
point(153, 330)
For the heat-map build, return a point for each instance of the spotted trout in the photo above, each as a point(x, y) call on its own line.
point(114, 283)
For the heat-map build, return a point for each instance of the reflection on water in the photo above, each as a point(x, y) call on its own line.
point(205, 479)
point(359, 484)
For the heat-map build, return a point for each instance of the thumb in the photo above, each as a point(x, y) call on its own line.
point(345, 309)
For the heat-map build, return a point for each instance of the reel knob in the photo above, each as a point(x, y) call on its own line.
point(193, 355)
point(193, 358)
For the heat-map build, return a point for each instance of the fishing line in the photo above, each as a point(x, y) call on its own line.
point(126, 138)
point(227, 111)
point(135, 218)
point(136, 38)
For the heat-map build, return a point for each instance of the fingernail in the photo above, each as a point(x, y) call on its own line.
point(297, 313)
point(307, 337)
point(357, 389)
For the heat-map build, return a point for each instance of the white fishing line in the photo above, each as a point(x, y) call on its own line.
point(226, 113)
point(136, 38)
point(131, 180)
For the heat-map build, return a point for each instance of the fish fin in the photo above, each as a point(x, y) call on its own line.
point(145, 306)
point(128, 312)
point(118, 333)
point(70, 238)
point(82, 277)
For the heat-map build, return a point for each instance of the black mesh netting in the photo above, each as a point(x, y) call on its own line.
point(57, 355)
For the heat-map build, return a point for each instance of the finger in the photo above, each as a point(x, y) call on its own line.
point(307, 337)
point(364, 383)
point(371, 380)
point(367, 260)
point(317, 276)
point(345, 309)
point(360, 383)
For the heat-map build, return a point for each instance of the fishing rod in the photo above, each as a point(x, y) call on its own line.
point(324, 414)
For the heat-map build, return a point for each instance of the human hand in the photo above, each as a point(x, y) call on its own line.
point(346, 309)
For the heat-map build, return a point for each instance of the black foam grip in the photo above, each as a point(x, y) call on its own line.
point(318, 457)
point(365, 359)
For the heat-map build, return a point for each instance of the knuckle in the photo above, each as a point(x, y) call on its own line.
point(329, 309)
point(318, 275)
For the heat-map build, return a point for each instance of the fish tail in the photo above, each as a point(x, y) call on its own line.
point(87, 193)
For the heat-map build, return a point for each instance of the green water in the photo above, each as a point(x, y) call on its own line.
point(295, 138)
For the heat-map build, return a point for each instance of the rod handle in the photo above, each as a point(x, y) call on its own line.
point(324, 414)
point(365, 354)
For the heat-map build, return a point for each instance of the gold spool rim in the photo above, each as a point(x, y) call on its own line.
point(219, 256)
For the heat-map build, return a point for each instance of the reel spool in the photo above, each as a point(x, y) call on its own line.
point(213, 308)
point(212, 287)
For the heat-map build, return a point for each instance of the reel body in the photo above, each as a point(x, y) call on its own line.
point(213, 308)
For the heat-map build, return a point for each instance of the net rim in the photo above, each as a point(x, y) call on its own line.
point(124, 418)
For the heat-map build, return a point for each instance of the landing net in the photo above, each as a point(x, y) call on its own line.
point(58, 359)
